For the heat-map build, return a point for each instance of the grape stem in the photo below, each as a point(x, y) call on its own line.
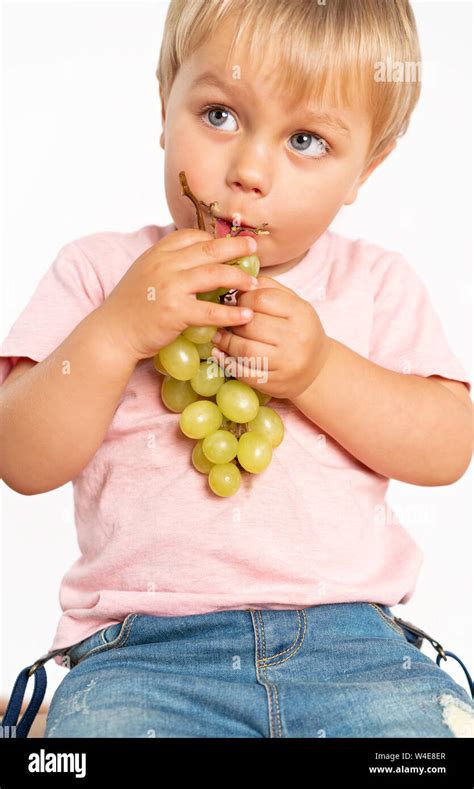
point(186, 191)
point(211, 208)
point(236, 428)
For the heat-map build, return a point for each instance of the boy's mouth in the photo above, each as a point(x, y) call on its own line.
point(221, 226)
point(224, 227)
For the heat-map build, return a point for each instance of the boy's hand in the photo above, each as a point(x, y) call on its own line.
point(286, 330)
point(155, 300)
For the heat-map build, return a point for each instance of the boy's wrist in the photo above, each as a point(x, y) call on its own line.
point(114, 342)
point(321, 363)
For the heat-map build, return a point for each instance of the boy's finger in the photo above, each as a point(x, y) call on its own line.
point(213, 250)
point(208, 313)
point(268, 301)
point(202, 279)
point(179, 239)
point(269, 282)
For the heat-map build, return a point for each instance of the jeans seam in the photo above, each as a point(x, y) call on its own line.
point(272, 692)
point(122, 639)
point(101, 634)
point(269, 662)
point(292, 646)
point(387, 619)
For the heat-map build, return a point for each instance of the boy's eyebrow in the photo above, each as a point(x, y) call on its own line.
point(316, 116)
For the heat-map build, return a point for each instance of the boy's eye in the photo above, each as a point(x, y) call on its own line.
point(218, 115)
point(304, 139)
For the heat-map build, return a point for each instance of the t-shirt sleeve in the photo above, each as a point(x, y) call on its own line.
point(68, 291)
point(407, 334)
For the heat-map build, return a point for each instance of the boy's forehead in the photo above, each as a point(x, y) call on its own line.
point(214, 63)
point(233, 62)
point(220, 46)
point(215, 56)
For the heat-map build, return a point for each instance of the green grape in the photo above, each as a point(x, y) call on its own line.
point(262, 397)
point(200, 461)
point(180, 359)
point(211, 295)
point(205, 349)
point(248, 263)
point(224, 479)
point(200, 418)
point(220, 447)
point(176, 395)
point(157, 364)
point(269, 424)
point(208, 379)
point(254, 452)
point(199, 334)
point(237, 401)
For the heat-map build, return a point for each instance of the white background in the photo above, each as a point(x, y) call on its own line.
point(81, 154)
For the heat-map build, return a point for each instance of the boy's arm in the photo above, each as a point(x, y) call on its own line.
point(54, 416)
point(403, 426)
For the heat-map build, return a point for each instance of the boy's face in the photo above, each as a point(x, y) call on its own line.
point(261, 157)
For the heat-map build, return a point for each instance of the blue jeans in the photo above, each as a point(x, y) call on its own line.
point(334, 670)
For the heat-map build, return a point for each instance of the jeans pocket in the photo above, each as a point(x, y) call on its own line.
point(386, 616)
point(110, 637)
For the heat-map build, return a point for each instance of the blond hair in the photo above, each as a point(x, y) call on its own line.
point(321, 49)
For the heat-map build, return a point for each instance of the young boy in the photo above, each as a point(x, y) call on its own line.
point(282, 125)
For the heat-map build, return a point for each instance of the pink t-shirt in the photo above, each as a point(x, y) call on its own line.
point(313, 528)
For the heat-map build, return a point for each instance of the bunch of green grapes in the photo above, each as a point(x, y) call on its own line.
point(233, 427)
point(230, 421)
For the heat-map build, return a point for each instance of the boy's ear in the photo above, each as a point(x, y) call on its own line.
point(163, 117)
point(351, 197)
